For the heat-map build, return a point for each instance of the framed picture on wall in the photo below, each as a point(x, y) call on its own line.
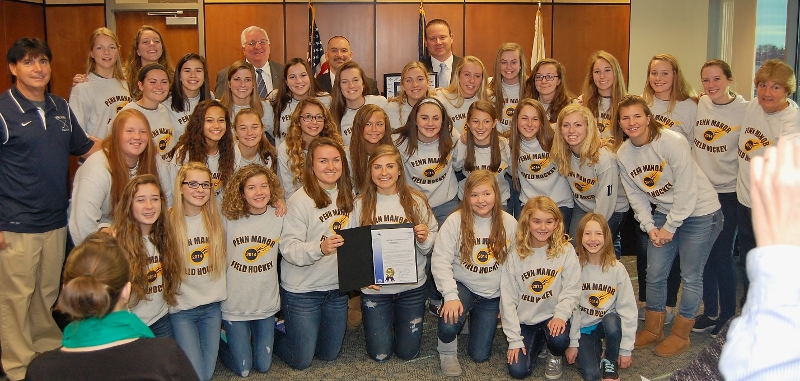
point(393, 82)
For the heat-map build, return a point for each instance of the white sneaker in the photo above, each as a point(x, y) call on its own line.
point(553, 370)
point(450, 365)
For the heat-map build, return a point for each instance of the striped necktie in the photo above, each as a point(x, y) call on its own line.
point(442, 78)
point(262, 86)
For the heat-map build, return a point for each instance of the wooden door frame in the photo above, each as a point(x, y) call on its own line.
point(112, 7)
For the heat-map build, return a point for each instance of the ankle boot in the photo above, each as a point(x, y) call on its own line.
point(354, 312)
point(678, 340)
point(653, 329)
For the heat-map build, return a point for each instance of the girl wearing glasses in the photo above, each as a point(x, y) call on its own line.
point(298, 84)
point(240, 93)
point(670, 96)
point(208, 140)
point(415, 86)
point(349, 95)
point(99, 182)
point(468, 86)
point(314, 309)
point(548, 86)
point(145, 234)
point(96, 100)
point(190, 87)
point(507, 85)
point(196, 317)
point(250, 216)
point(310, 120)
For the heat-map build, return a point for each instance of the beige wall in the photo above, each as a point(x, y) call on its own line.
point(677, 27)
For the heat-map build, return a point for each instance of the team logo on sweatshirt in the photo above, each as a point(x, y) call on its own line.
point(153, 273)
point(600, 298)
point(254, 252)
point(434, 169)
point(483, 256)
point(198, 256)
point(536, 166)
point(542, 283)
point(715, 133)
point(651, 178)
point(603, 122)
point(338, 224)
point(580, 183)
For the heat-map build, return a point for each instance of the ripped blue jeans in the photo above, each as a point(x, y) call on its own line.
point(393, 323)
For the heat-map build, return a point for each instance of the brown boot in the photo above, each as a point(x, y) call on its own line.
point(354, 312)
point(653, 330)
point(678, 340)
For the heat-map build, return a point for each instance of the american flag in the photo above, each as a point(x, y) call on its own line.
point(421, 46)
point(315, 50)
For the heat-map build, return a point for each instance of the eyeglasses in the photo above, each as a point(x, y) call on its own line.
point(309, 118)
point(260, 42)
point(195, 184)
point(541, 78)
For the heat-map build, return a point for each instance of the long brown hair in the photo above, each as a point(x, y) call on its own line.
point(544, 135)
point(609, 257)
point(454, 94)
point(129, 235)
point(681, 89)
point(192, 144)
point(94, 276)
point(119, 75)
point(496, 84)
point(494, 144)
point(557, 243)
point(562, 96)
point(234, 206)
point(409, 133)
point(591, 95)
point(414, 203)
point(338, 101)
point(226, 99)
point(359, 148)
point(344, 199)
point(134, 63)
point(285, 95)
point(266, 150)
point(120, 173)
point(496, 244)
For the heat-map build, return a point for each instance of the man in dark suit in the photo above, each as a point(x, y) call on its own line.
point(338, 54)
point(255, 46)
point(441, 60)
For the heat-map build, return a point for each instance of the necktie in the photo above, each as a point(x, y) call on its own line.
point(442, 79)
point(262, 87)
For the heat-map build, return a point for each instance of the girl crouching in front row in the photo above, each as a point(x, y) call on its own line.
point(539, 290)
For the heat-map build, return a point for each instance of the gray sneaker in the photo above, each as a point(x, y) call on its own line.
point(450, 365)
point(553, 370)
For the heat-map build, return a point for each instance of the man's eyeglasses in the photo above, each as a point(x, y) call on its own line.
point(260, 42)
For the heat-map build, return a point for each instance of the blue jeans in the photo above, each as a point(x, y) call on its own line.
point(590, 346)
point(249, 345)
point(482, 323)
point(393, 323)
point(197, 332)
point(694, 239)
point(746, 239)
point(315, 326)
point(719, 276)
point(514, 204)
point(534, 338)
point(162, 327)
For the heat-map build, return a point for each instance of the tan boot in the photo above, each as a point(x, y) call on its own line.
point(354, 312)
point(653, 329)
point(678, 340)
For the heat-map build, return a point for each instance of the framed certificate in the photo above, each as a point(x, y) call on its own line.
point(377, 254)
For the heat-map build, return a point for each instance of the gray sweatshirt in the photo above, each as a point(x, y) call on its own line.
point(715, 136)
point(663, 172)
point(199, 287)
point(437, 181)
point(535, 289)
point(681, 119)
point(154, 307)
point(252, 267)
point(596, 187)
point(539, 176)
point(482, 275)
point(483, 157)
point(96, 102)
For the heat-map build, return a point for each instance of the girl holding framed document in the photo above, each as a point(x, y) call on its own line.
point(393, 314)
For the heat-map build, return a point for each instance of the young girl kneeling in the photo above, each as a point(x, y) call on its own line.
point(539, 290)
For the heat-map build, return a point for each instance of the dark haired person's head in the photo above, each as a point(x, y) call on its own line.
point(29, 63)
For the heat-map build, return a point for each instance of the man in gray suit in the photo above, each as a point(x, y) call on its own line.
point(338, 54)
point(255, 46)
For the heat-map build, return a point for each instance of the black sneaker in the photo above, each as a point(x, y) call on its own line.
point(717, 328)
point(703, 323)
point(609, 370)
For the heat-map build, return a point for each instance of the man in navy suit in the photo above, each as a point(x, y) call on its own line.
point(338, 54)
point(442, 61)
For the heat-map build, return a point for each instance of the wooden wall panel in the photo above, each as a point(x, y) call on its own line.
point(179, 40)
point(578, 32)
point(491, 25)
point(19, 20)
point(224, 25)
point(70, 42)
point(297, 30)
